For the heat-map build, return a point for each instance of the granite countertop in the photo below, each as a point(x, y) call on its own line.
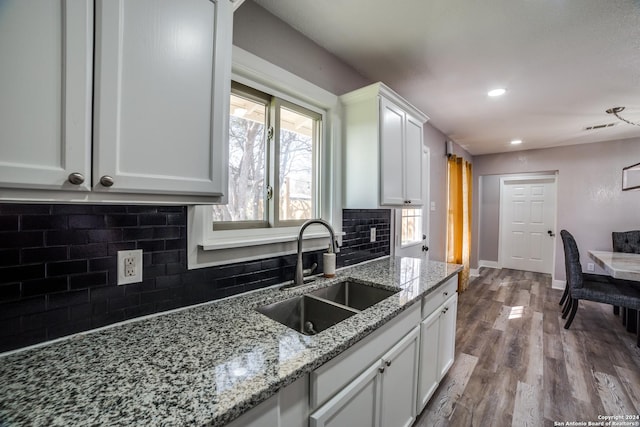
point(202, 365)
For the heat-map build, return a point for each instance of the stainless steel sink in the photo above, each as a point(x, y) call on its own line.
point(353, 294)
point(318, 310)
point(306, 314)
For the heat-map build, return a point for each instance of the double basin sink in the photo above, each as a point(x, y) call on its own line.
point(318, 310)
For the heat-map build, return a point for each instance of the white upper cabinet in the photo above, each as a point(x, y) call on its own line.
point(45, 94)
point(154, 92)
point(162, 94)
point(383, 149)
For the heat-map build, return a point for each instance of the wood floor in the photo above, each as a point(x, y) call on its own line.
point(517, 366)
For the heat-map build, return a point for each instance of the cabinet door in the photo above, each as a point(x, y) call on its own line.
point(399, 382)
point(358, 404)
point(392, 120)
point(428, 369)
point(447, 335)
point(263, 415)
point(162, 96)
point(45, 93)
point(413, 161)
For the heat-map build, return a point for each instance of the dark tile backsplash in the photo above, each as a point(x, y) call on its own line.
point(58, 266)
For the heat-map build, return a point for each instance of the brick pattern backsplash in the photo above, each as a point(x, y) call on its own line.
point(58, 266)
point(357, 224)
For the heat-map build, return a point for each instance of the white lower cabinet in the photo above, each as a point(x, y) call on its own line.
point(428, 373)
point(358, 404)
point(447, 335)
point(399, 381)
point(287, 408)
point(383, 395)
point(437, 348)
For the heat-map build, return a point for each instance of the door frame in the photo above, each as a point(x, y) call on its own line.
point(528, 177)
point(396, 214)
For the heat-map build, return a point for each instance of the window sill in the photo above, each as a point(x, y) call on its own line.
point(207, 248)
point(236, 239)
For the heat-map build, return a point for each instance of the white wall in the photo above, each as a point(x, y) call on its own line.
point(591, 203)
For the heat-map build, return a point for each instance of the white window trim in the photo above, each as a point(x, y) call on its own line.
point(206, 247)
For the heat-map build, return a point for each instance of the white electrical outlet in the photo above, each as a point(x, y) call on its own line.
point(129, 267)
point(590, 266)
point(373, 235)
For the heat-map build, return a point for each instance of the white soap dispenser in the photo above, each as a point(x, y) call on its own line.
point(329, 263)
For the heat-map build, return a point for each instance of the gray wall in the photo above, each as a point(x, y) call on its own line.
point(436, 141)
point(590, 204)
point(268, 37)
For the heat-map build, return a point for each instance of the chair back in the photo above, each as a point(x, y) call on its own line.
point(626, 241)
point(572, 264)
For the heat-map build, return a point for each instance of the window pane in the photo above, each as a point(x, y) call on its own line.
point(411, 226)
point(296, 178)
point(247, 125)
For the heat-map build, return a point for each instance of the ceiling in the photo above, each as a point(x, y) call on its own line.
point(563, 63)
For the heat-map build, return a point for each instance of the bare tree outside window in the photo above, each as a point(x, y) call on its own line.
point(411, 226)
point(294, 153)
point(246, 162)
point(296, 166)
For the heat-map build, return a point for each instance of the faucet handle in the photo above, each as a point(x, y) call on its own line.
point(309, 271)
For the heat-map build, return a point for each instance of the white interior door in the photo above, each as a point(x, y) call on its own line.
point(527, 223)
point(416, 237)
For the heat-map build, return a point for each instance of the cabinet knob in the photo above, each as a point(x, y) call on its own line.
point(106, 181)
point(387, 362)
point(445, 293)
point(76, 178)
point(381, 369)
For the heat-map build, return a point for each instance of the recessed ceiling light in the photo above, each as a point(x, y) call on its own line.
point(516, 142)
point(497, 92)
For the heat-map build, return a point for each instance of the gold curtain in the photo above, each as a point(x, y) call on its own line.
point(459, 217)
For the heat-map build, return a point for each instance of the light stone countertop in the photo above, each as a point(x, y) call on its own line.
point(206, 364)
point(620, 265)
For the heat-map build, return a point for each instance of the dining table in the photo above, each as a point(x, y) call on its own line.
point(619, 265)
point(624, 266)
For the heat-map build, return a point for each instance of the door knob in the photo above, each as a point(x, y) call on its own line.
point(76, 178)
point(106, 181)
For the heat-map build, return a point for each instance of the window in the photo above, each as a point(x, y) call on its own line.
point(411, 226)
point(273, 162)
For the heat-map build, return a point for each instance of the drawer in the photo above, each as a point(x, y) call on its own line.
point(436, 298)
point(334, 375)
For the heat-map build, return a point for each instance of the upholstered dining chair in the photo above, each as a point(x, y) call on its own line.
point(615, 293)
point(626, 241)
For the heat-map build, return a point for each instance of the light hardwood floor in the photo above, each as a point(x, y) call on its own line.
point(517, 366)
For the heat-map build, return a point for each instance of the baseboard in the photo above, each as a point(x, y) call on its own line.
point(475, 272)
point(558, 284)
point(489, 264)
